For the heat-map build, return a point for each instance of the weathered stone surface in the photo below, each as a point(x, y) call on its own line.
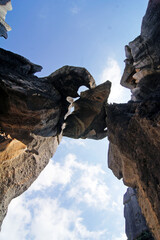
point(135, 221)
point(5, 5)
point(32, 113)
point(133, 128)
point(142, 54)
point(20, 165)
point(27, 104)
point(68, 79)
point(41, 102)
point(17, 64)
point(88, 118)
point(134, 131)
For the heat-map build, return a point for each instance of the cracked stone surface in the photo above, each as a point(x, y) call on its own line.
point(133, 128)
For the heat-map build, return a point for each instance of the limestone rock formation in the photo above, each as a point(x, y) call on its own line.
point(88, 118)
point(133, 128)
point(142, 54)
point(5, 5)
point(136, 227)
point(32, 113)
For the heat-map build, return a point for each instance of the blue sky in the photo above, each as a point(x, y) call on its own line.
point(76, 197)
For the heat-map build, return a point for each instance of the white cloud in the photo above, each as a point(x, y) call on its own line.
point(55, 222)
point(75, 10)
point(73, 142)
point(52, 175)
point(113, 73)
point(52, 221)
point(48, 221)
point(84, 181)
point(122, 237)
point(50, 217)
point(117, 203)
point(14, 225)
point(89, 186)
point(85, 234)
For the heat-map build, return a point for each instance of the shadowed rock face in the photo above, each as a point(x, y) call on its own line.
point(136, 226)
point(142, 54)
point(134, 133)
point(31, 105)
point(133, 128)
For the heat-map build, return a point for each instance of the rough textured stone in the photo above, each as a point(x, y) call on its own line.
point(88, 118)
point(5, 5)
point(20, 165)
point(134, 131)
point(41, 102)
point(142, 54)
point(32, 114)
point(133, 128)
point(135, 221)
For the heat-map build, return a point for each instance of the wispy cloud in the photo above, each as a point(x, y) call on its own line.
point(89, 187)
point(52, 175)
point(49, 220)
point(113, 73)
point(85, 233)
point(75, 10)
point(122, 237)
point(84, 181)
point(18, 217)
point(50, 209)
point(73, 142)
point(43, 12)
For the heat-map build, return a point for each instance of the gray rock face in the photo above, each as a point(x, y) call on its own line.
point(5, 5)
point(133, 131)
point(4, 2)
point(3, 32)
point(142, 54)
point(133, 128)
point(34, 96)
point(135, 221)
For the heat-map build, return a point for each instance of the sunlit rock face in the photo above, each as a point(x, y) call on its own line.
point(5, 5)
point(133, 128)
